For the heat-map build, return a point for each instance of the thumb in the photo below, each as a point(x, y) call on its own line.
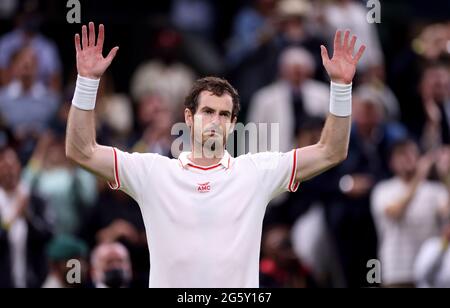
point(324, 53)
point(112, 54)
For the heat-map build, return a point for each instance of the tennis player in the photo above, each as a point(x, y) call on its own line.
point(203, 212)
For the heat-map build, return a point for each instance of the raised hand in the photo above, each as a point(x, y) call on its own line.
point(342, 67)
point(90, 60)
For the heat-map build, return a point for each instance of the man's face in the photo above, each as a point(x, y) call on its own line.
point(113, 267)
point(25, 65)
point(404, 160)
point(212, 122)
point(295, 74)
point(436, 82)
point(367, 115)
point(148, 107)
point(9, 170)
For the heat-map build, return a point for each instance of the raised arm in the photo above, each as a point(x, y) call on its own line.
point(333, 145)
point(81, 145)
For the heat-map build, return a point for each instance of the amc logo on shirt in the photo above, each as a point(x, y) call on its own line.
point(204, 188)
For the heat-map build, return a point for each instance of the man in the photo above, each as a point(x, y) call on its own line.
point(292, 99)
point(25, 227)
point(203, 212)
point(111, 266)
point(435, 94)
point(25, 98)
point(406, 210)
point(62, 250)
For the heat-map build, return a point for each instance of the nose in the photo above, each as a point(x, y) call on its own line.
point(216, 119)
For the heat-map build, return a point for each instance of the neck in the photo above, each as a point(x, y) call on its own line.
point(27, 83)
point(406, 178)
point(204, 157)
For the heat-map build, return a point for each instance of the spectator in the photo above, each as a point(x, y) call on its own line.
point(375, 87)
point(289, 209)
point(26, 105)
point(435, 94)
point(349, 185)
point(26, 34)
point(432, 265)
point(194, 16)
point(279, 266)
point(156, 138)
point(60, 251)
point(351, 14)
point(261, 67)
point(406, 211)
point(165, 76)
point(252, 26)
point(25, 228)
point(69, 191)
point(111, 266)
point(114, 114)
point(290, 100)
point(116, 218)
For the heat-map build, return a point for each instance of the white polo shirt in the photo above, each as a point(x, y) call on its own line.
point(204, 224)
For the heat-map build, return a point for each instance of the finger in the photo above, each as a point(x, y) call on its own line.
point(351, 48)
point(84, 39)
point(112, 54)
point(101, 36)
point(337, 41)
point(360, 53)
point(77, 43)
point(346, 37)
point(324, 53)
point(91, 34)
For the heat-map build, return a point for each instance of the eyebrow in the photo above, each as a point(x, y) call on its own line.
point(223, 112)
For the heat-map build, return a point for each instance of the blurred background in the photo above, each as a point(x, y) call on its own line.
point(388, 201)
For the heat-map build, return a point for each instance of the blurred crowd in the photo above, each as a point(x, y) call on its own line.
point(388, 201)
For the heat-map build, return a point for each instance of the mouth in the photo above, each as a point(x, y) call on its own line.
point(211, 133)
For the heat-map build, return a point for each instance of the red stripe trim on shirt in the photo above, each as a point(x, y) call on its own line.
point(204, 168)
point(116, 171)
point(294, 171)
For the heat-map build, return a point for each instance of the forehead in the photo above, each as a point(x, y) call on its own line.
point(221, 103)
point(406, 148)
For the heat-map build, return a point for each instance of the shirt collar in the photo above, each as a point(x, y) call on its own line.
point(186, 162)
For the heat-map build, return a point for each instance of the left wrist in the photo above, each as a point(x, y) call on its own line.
point(340, 99)
point(341, 81)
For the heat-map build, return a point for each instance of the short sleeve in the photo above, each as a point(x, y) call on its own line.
point(131, 171)
point(277, 171)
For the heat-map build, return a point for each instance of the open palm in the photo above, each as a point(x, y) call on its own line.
point(342, 67)
point(90, 60)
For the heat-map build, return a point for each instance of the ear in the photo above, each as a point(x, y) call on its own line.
point(188, 117)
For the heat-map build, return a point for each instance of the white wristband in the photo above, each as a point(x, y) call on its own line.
point(341, 99)
point(85, 93)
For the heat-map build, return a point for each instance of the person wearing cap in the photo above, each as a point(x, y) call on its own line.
point(61, 250)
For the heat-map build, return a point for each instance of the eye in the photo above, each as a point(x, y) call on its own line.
point(209, 112)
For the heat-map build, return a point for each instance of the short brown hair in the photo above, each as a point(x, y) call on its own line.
point(216, 86)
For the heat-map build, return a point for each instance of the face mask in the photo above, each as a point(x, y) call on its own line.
point(115, 278)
